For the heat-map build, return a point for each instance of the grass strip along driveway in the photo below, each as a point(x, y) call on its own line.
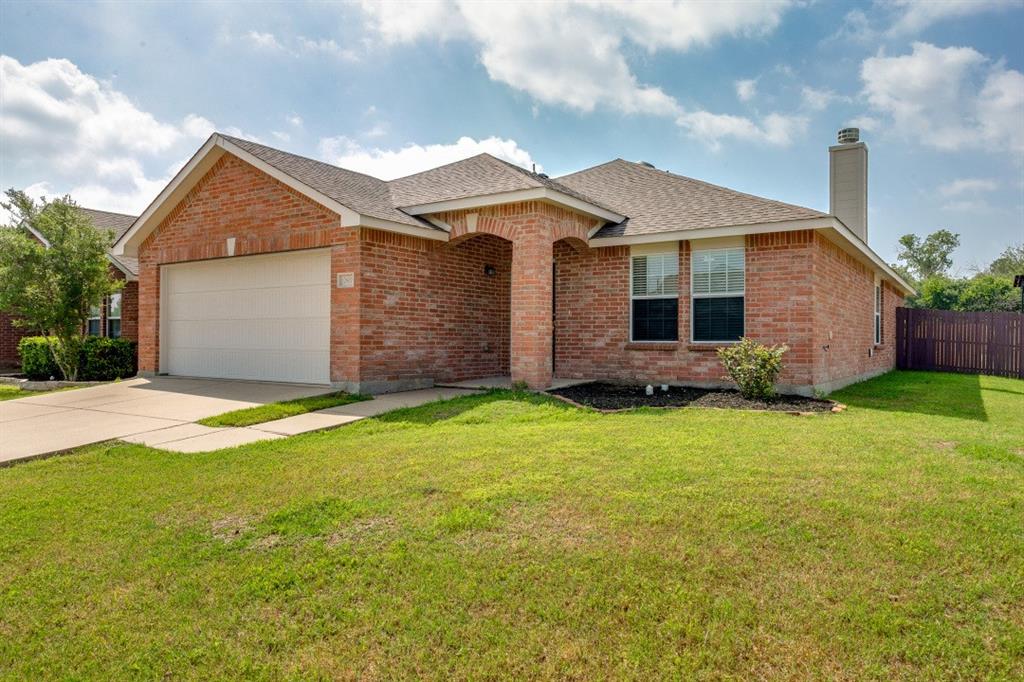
point(287, 408)
point(508, 535)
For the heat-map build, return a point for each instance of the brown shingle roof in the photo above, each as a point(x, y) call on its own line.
point(361, 193)
point(478, 175)
point(657, 201)
point(119, 223)
point(106, 220)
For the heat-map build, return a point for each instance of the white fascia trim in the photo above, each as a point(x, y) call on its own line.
point(35, 233)
point(401, 228)
point(127, 245)
point(532, 194)
point(709, 232)
point(823, 223)
point(867, 251)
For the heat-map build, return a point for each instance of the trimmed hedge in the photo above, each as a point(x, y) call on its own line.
point(102, 359)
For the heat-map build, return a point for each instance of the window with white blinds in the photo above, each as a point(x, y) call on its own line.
point(656, 275)
point(717, 288)
point(654, 294)
point(719, 272)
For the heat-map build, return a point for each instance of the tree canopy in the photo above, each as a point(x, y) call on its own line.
point(50, 287)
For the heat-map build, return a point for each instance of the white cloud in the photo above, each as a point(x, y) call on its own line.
point(326, 46)
point(866, 123)
point(65, 131)
point(746, 90)
point(388, 164)
point(819, 99)
point(913, 16)
point(901, 18)
point(294, 120)
point(948, 98)
point(774, 129)
point(281, 135)
point(968, 186)
point(264, 41)
point(377, 130)
point(968, 206)
point(571, 53)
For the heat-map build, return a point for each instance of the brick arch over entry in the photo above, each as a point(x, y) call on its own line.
point(533, 227)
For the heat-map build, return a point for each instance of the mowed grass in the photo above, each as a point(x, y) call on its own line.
point(512, 536)
point(9, 392)
point(287, 408)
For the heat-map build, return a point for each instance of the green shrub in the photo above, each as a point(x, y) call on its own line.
point(753, 366)
point(102, 359)
point(36, 359)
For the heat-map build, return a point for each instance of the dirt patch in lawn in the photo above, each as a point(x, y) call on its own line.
point(607, 396)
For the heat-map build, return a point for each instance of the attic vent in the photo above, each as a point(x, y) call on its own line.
point(849, 135)
point(543, 175)
point(647, 164)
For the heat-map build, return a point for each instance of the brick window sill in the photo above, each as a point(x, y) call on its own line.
point(652, 345)
point(708, 347)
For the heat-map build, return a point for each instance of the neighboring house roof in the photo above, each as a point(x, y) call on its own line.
point(361, 193)
point(119, 223)
point(658, 201)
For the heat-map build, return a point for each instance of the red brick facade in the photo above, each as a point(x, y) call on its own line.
point(9, 338)
point(483, 302)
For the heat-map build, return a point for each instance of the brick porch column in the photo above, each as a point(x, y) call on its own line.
point(531, 305)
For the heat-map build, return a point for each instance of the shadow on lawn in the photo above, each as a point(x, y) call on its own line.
point(937, 393)
point(450, 408)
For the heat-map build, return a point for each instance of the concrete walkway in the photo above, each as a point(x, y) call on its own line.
point(198, 438)
point(40, 425)
point(161, 412)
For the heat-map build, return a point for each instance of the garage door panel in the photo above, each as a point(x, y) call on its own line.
point(254, 317)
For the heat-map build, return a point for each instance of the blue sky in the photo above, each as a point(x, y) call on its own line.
point(106, 101)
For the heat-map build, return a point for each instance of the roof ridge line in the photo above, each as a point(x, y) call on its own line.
point(233, 139)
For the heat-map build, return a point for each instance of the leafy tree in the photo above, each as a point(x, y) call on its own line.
point(924, 258)
point(50, 288)
point(939, 293)
point(1009, 263)
point(987, 292)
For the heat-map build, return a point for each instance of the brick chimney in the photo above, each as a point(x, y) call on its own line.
point(848, 181)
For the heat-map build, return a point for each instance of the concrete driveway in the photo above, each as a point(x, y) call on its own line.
point(60, 421)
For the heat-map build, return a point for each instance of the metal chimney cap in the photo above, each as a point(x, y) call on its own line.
point(849, 135)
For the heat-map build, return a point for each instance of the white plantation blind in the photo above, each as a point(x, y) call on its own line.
point(656, 275)
point(718, 271)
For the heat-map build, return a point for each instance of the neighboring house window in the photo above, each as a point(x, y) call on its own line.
point(93, 323)
point(655, 297)
point(114, 316)
point(718, 279)
point(878, 311)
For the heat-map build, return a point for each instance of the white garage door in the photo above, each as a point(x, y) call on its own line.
point(252, 317)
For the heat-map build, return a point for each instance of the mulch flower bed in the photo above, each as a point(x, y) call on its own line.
point(611, 397)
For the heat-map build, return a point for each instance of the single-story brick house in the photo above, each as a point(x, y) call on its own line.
point(117, 316)
point(258, 264)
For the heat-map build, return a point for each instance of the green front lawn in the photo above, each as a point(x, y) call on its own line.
point(512, 536)
point(286, 408)
point(9, 392)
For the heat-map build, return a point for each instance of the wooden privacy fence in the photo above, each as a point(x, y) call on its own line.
point(948, 341)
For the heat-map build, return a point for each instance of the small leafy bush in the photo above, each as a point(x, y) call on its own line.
point(753, 366)
point(36, 360)
point(101, 359)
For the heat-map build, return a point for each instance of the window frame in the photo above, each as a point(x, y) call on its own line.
point(120, 301)
point(731, 294)
point(98, 317)
point(877, 331)
point(648, 297)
